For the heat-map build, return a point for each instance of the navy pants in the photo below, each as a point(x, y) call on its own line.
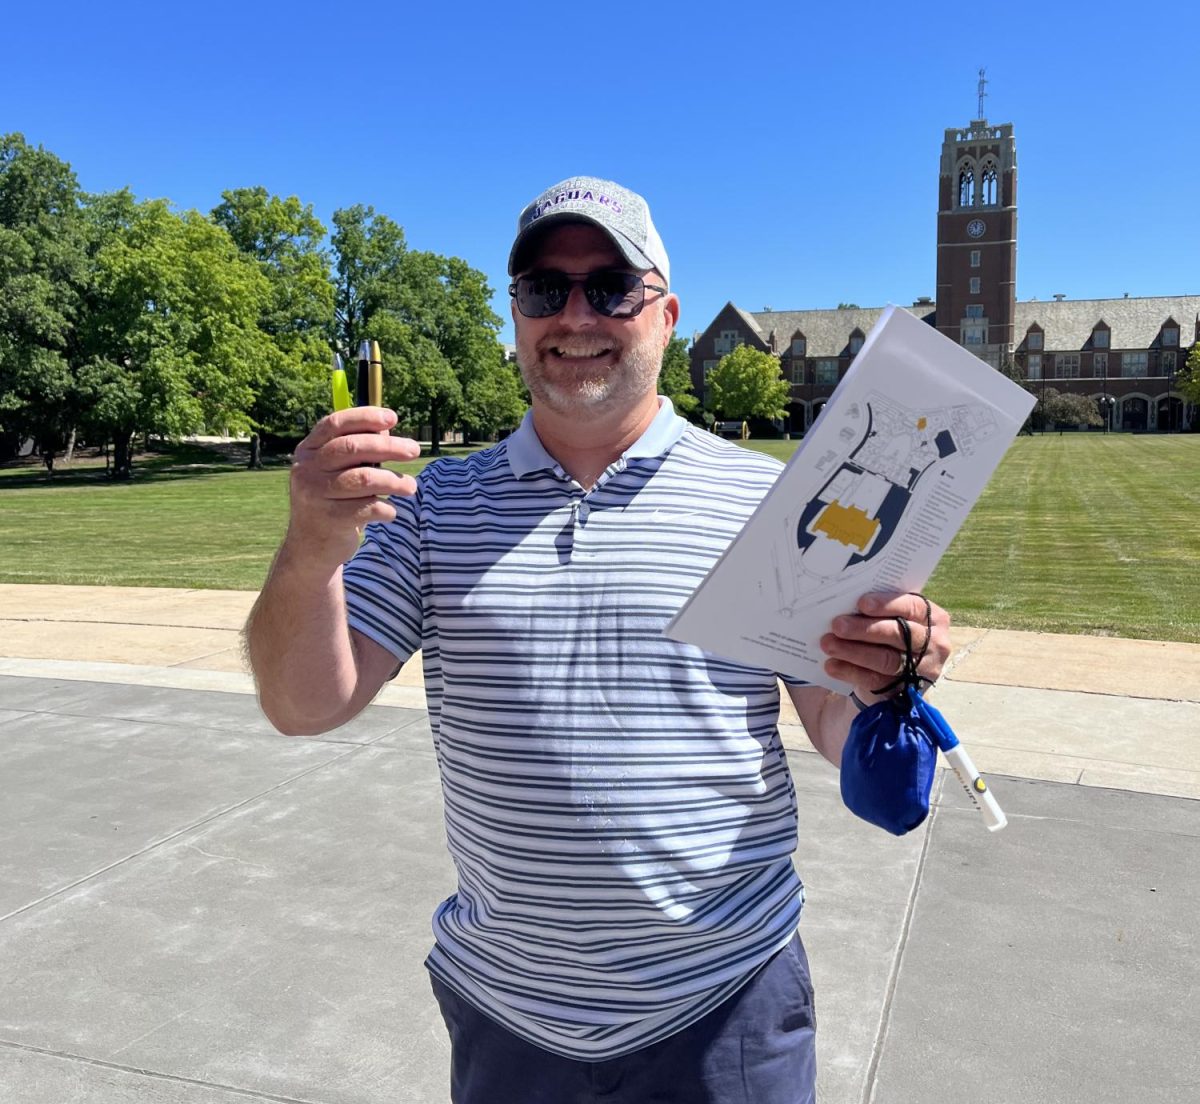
point(758, 1047)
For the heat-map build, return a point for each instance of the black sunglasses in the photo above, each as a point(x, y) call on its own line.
point(613, 294)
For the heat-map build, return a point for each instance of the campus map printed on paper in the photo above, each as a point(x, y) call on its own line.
point(870, 500)
point(889, 449)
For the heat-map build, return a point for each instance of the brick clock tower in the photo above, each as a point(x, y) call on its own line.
point(977, 237)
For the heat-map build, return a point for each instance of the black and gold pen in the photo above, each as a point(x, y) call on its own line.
point(362, 390)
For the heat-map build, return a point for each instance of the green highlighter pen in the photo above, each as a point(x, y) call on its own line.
point(341, 389)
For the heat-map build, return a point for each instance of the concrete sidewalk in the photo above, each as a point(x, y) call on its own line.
point(195, 910)
point(1087, 710)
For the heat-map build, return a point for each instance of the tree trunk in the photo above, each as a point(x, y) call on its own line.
point(255, 453)
point(70, 453)
point(122, 456)
point(435, 431)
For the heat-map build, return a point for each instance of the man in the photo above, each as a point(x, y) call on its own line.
point(618, 805)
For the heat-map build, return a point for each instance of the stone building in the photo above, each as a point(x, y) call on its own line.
point(1123, 353)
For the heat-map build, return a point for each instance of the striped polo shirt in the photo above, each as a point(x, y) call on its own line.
point(618, 804)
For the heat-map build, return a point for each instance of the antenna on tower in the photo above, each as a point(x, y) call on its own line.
point(982, 92)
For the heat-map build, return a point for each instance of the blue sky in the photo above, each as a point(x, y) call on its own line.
point(789, 151)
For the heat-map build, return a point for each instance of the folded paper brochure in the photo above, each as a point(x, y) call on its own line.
point(869, 501)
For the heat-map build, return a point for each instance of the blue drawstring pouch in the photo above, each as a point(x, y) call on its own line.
point(888, 764)
point(890, 756)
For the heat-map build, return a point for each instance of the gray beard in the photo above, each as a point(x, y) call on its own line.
point(624, 384)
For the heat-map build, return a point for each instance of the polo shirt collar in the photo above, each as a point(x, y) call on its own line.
point(527, 454)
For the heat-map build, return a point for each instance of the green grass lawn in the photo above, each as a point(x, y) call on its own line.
point(188, 518)
point(1078, 533)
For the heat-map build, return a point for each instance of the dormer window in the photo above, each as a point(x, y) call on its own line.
point(727, 342)
point(856, 342)
point(1100, 337)
point(1033, 340)
point(1170, 335)
point(799, 345)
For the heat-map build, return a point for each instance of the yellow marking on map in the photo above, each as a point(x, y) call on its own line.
point(922, 423)
point(847, 525)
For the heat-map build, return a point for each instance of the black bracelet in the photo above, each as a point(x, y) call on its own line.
point(859, 704)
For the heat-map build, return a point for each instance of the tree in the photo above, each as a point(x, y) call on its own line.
point(495, 397)
point(746, 383)
point(43, 269)
point(173, 328)
point(368, 254)
point(1057, 408)
point(449, 303)
point(433, 319)
point(675, 377)
point(1189, 378)
point(1075, 409)
point(1010, 369)
point(419, 382)
point(284, 237)
point(848, 306)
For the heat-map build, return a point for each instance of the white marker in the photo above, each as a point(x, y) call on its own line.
point(976, 787)
point(956, 755)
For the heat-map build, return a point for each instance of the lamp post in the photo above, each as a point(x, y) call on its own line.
point(811, 372)
point(1107, 402)
point(1170, 376)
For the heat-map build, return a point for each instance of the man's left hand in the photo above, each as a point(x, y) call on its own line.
point(866, 648)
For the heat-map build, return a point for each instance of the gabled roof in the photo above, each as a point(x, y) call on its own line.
point(749, 320)
point(827, 332)
point(1135, 323)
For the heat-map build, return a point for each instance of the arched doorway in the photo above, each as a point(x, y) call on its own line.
point(1170, 414)
point(1135, 414)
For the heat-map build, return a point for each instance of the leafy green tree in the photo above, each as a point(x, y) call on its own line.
point(1189, 378)
point(449, 303)
point(419, 382)
point(43, 269)
point(443, 363)
point(675, 377)
point(173, 329)
point(1058, 408)
point(1075, 409)
point(747, 383)
point(848, 306)
point(368, 250)
point(494, 397)
point(284, 238)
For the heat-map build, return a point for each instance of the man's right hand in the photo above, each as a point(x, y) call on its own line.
point(333, 495)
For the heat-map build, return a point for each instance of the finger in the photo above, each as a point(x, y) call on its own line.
point(361, 511)
point(892, 604)
point(871, 659)
point(355, 449)
point(864, 682)
point(354, 419)
point(871, 630)
point(360, 482)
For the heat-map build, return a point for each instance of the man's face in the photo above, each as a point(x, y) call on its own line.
point(579, 361)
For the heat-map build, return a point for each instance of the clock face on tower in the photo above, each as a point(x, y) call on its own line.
point(976, 228)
